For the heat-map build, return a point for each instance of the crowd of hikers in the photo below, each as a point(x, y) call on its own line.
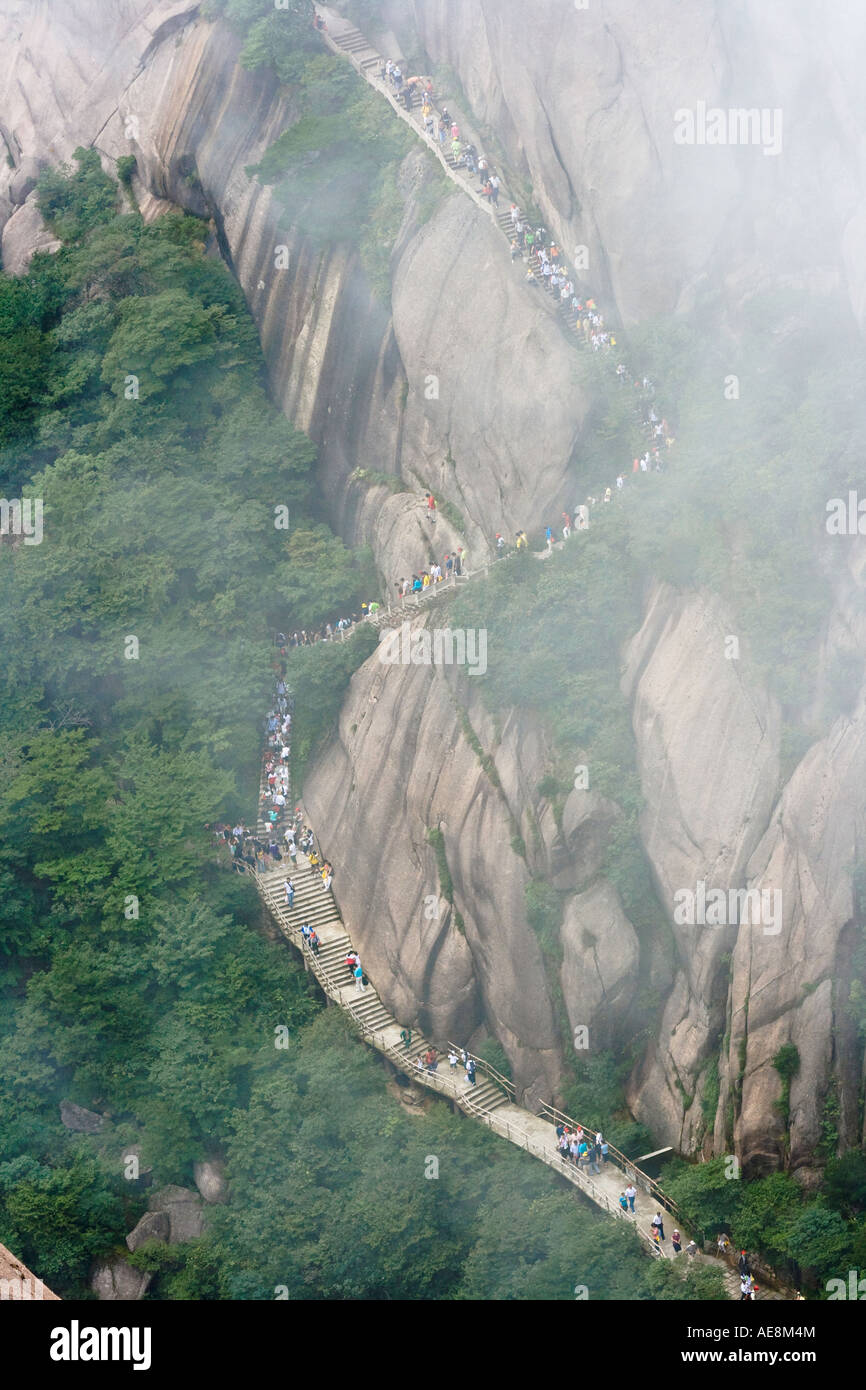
point(430, 1060)
point(325, 632)
point(546, 268)
point(280, 833)
point(652, 424)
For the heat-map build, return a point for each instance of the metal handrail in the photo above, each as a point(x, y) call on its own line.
point(630, 1169)
point(574, 1176)
point(481, 1064)
point(444, 1084)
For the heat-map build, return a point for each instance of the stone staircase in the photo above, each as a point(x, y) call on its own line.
point(350, 41)
point(316, 905)
point(491, 1100)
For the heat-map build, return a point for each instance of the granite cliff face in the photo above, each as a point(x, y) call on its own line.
point(581, 103)
point(708, 740)
point(582, 98)
point(466, 961)
point(167, 87)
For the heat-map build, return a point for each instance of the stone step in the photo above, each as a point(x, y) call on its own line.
point(371, 1006)
point(377, 1020)
point(296, 920)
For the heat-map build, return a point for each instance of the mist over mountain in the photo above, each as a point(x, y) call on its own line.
point(700, 652)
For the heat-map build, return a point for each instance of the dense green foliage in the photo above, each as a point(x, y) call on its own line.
point(136, 409)
point(809, 1240)
point(336, 167)
point(320, 677)
point(337, 1193)
point(272, 36)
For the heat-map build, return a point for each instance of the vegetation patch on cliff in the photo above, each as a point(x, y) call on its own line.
point(336, 169)
point(806, 1238)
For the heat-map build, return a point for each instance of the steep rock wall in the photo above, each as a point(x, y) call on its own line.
point(716, 812)
point(402, 766)
point(160, 82)
point(583, 101)
point(376, 795)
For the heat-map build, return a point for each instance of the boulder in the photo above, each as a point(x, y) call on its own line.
point(23, 181)
point(184, 1210)
point(154, 1225)
point(587, 819)
point(79, 1120)
point(23, 235)
point(210, 1180)
point(384, 785)
point(115, 1281)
